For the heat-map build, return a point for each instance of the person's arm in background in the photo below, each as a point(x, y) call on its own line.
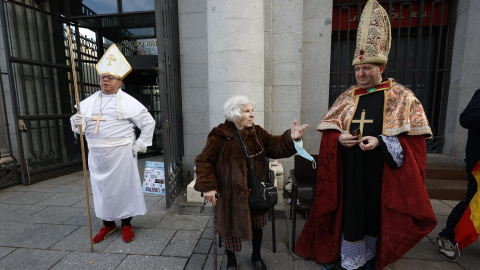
point(470, 117)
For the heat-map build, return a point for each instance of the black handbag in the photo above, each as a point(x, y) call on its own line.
point(262, 195)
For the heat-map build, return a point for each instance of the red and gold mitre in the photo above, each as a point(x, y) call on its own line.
point(373, 35)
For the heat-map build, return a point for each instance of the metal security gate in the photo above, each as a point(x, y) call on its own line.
point(9, 167)
point(42, 99)
point(166, 17)
point(420, 55)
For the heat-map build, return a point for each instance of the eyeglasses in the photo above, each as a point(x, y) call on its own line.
point(110, 78)
point(256, 139)
point(254, 155)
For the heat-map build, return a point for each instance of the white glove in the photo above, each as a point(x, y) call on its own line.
point(137, 148)
point(78, 119)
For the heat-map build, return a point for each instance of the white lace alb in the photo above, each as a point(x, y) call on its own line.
point(355, 255)
point(394, 148)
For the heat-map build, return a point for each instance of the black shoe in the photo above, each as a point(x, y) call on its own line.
point(233, 267)
point(370, 264)
point(231, 260)
point(259, 264)
point(335, 265)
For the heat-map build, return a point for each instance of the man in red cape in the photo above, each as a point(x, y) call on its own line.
point(371, 204)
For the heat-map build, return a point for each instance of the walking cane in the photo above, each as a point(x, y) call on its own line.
point(214, 238)
point(214, 230)
point(81, 135)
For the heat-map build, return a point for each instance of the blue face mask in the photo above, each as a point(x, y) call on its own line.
point(304, 154)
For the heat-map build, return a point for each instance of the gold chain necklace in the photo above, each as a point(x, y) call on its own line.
point(99, 117)
point(101, 98)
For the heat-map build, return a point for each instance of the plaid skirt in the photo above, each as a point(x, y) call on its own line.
point(235, 244)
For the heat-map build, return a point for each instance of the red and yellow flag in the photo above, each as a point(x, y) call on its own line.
point(468, 227)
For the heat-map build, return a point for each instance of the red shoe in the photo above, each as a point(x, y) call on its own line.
point(104, 232)
point(127, 233)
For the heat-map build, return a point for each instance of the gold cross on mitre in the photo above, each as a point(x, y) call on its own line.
point(111, 58)
point(113, 63)
point(98, 119)
point(362, 121)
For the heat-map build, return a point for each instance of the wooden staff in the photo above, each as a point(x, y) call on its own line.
point(81, 135)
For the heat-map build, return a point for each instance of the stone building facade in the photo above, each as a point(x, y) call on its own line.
point(278, 52)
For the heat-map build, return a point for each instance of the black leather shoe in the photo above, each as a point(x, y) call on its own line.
point(233, 267)
point(259, 264)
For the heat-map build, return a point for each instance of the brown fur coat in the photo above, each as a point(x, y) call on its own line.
point(221, 166)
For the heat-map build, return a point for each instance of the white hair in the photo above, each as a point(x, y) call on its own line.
point(233, 107)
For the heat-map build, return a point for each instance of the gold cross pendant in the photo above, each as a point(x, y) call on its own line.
point(98, 119)
point(362, 121)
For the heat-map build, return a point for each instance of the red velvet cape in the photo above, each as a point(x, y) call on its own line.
point(407, 215)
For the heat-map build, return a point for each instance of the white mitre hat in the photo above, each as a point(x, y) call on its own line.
point(113, 62)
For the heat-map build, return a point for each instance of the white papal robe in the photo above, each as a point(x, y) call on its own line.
point(116, 186)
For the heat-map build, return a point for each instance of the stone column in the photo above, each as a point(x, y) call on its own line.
point(464, 81)
point(316, 52)
point(235, 55)
point(192, 17)
point(286, 65)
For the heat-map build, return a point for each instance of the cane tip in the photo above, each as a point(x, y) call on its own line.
point(91, 250)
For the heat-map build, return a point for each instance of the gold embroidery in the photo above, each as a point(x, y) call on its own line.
point(403, 112)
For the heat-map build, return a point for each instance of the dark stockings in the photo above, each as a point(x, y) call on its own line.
point(231, 259)
point(125, 222)
point(108, 223)
point(257, 244)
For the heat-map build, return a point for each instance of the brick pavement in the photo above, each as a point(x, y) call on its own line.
point(44, 226)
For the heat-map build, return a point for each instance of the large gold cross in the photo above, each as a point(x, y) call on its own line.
point(111, 58)
point(362, 121)
point(98, 119)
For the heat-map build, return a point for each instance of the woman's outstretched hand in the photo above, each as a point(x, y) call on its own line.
point(297, 131)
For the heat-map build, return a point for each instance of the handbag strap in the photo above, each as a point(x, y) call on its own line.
point(242, 147)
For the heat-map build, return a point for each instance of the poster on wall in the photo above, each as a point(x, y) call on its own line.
point(154, 178)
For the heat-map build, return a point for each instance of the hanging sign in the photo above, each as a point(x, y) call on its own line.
point(404, 14)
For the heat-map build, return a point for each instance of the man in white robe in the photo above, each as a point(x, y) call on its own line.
point(108, 119)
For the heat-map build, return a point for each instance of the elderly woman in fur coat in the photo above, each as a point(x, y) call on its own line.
point(221, 168)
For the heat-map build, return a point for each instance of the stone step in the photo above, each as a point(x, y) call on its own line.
point(446, 189)
point(446, 181)
point(445, 171)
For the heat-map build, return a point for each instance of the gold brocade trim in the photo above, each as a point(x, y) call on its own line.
point(475, 202)
point(376, 90)
point(370, 60)
point(385, 109)
point(111, 73)
point(403, 112)
point(367, 11)
point(410, 131)
point(322, 127)
point(357, 98)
